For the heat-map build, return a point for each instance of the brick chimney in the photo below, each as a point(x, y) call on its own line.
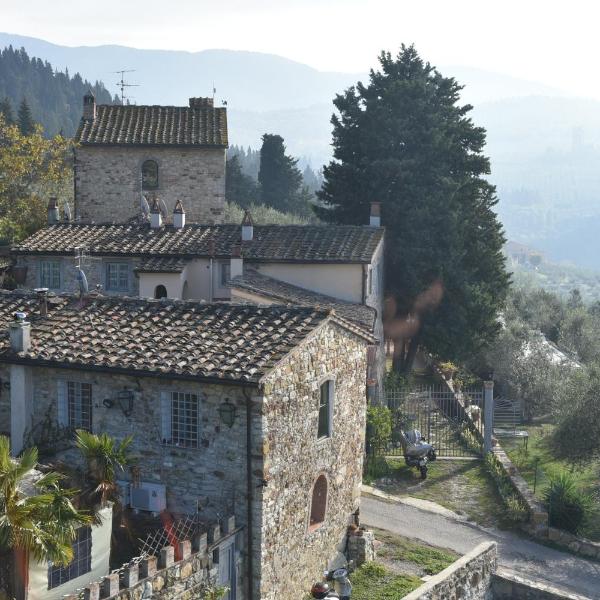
point(247, 227)
point(375, 217)
point(20, 333)
point(236, 265)
point(89, 107)
point(201, 102)
point(53, 214)
point(178, 215)
point(155, 215)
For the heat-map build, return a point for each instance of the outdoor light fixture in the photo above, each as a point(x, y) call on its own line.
point(125, 400)
point(227, 413)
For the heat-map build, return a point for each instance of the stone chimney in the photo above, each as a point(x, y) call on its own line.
point(89, 107)
point(155, 215)
point(20, 333)
point(42, 294)
point(247, 227)
point(53, 214)
point(201, 103)
point(375, 217)
point(236, 266)
point(178, 215)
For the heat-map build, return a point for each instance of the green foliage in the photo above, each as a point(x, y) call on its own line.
point(373, 580)
point(105, 458)
point(379, 426)
point(25, 119)
point(263, 215)
point(32, 169)
point(404, 140)
point(568, 506)
point(375, 468)
point(54, 98)
point(240, 188)
point(515, 509)
point(42, 523)
point(280, 179)
point(6, 111)
point(214, 592)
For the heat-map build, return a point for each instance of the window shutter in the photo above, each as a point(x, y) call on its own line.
point(165, 415)
point(62, 402)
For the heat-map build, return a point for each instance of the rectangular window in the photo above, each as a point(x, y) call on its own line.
point(81, 563)
point(117, 277)
point(225, 273)
point(180, 420)
point(325, 409)
point(79, 405)
point(50, 274)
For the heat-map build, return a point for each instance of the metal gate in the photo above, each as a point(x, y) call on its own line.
point(451, 421)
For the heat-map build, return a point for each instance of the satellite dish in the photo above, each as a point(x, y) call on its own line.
point(83, 283)
point(144, 206)
point(67, 211)
point(163, 208)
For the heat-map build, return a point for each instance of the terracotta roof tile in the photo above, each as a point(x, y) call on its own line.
point(271, 243)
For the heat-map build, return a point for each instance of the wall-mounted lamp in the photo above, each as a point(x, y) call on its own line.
point(227, 413)
point(125, 400)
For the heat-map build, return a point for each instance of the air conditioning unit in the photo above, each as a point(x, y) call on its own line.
point(149, 497)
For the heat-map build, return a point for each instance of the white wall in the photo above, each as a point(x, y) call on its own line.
point(341, 281)
point(172, 281)
point(38, 572)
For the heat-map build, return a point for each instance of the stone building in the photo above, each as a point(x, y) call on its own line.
point(250, 410)
point(173, 152)
point(339, 267)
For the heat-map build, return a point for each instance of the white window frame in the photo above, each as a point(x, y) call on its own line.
point(120, 268)
point(224, 274)
point(50, 273)
point(65, 411)
point(330, 382)
point(170, 413)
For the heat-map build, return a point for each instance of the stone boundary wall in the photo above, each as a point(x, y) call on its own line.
point(507, 585)
point(469, 578)
point(179, 573)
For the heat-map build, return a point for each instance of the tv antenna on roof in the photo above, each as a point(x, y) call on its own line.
point(122, 84)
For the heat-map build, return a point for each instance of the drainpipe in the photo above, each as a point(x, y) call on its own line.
point(250, 494)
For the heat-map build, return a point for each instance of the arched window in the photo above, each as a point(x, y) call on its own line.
point(149, 175)
point(160, 291)
point(318, 504)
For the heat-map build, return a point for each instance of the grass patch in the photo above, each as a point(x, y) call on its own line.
point(373, 581)
point(539, 456)
point(431, 560)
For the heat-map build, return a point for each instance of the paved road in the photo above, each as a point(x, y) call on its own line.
point(525, 557)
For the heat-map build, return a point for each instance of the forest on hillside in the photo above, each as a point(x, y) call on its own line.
point(54, 97)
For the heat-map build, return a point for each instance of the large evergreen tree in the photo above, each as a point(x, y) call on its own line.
point(25, 119)
point(6, 111)
point(239, 187)
point(404, 140)
point(279, 177)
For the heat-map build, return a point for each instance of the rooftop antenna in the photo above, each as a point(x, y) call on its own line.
point(214, 92)
point(122, 84)
point(80, 258)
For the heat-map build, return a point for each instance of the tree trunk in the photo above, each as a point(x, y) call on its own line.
point(405, 352)
point(21, 574)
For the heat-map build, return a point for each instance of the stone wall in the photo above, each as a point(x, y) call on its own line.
point(108, 182)
point(94, 268)
point(507, 585)
point(469, 578)
point(294, 554)
point(192, 575)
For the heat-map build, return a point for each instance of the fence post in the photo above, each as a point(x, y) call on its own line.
point(488, 415)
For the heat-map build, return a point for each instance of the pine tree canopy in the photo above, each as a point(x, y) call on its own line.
point(26, 122)
point(240, 188)
point(403, 140)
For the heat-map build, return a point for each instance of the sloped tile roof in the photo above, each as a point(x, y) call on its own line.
point(23, 301)
point(161, 265)
point(254, 282)
point(216, 342)
point(117, 125)
point(271, 243)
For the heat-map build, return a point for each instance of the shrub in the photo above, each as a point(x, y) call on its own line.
point(379, 427)
point(568, 506)
point(514, 509)
point(376, 467)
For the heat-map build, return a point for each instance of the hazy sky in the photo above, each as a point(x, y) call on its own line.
point(553, 42)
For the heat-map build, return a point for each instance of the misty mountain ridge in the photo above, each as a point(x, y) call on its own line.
point(542, 142)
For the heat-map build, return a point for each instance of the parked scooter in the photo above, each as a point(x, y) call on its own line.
point(417, 452)
point(341, 583)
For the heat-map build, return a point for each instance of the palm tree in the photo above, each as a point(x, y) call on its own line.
point(105, 458)
point(37, 516)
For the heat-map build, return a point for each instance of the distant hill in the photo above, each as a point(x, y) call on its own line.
point(544, 145)
point(53, 96)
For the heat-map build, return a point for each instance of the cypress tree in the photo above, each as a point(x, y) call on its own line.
point(6, 111)
point(25, 119)
point(404, 140)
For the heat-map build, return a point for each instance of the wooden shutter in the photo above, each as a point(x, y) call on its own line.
point(62, 403)
point(165, 415)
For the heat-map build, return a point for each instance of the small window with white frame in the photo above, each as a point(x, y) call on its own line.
point(180, 419)
point(50, 274)
point(225, 273)
point(81, 563)
point(117, 277)
point(326, 395)
point(75, 405)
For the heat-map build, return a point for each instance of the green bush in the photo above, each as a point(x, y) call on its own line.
point(568, 506)
point(514, 509)
point(376, 467)
point(379, 427)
